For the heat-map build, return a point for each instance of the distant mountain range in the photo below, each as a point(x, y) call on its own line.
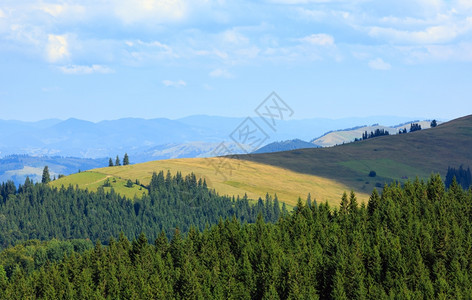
point(337, 137)
point(84, 139)
point(61, 144)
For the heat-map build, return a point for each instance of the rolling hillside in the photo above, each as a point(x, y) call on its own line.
point(393, 158)
point(324, 172)
point(339, 137)
point(251, 178)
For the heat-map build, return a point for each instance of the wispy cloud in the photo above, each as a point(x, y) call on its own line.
point(234, 37)
point(221, 73)
point(80, 70)
point(143, 32)
point(57, 48)
point(429, 35)
point(170, 83)
point(139, 51)
point(461, 52)
point(465, 4)
point(151, 11)
point(379, 64)
point(62, 10)
point(306, 1)
point(320, 39)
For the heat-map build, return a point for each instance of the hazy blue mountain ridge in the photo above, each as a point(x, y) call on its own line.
point(69, 145)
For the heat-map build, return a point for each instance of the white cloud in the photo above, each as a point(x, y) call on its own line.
point(234, 37)
point(150, 50)
point(141, 32)
point(221, 73)
point(139, 53)
point(178, 83)
point(430, 35)
point(80, 69)
point(215, 52)
point(402, 22)
point(165, 48)
point(57, 48)
point(62, 10)
point(461, 52)
point(320, 39)
point(443, 25)
point(52, 9)
point(379, 64)
point(151, 11)
point(465, 4)
point(312, 14)
point(305, 1)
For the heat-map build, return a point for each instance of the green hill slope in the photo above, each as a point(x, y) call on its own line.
point(251, 178)
point(393, 158)
point(324, 172)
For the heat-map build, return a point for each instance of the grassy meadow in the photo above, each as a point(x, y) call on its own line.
point(91, 180)
point(251, 178)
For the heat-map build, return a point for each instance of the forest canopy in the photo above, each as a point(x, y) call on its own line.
point(410, 241)
point(37, 211)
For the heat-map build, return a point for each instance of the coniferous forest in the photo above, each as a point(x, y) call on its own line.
point(410, 241)
point(461, 175)
point(37, 211)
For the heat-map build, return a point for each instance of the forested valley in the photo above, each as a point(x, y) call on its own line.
point(410, 241)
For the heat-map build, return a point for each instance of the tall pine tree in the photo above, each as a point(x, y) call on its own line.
point(46, 177)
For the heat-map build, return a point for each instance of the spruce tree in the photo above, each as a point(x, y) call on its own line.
point(117, 161)
point(46, 177)
point(125, 160)
point(415, 127)
point(110, 162)
point(352, 202)
point(374, 202)
point(344, 204)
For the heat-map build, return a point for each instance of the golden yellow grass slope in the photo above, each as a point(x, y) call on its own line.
point(251, 178)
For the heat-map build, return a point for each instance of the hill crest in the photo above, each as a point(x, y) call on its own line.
point(393, 158)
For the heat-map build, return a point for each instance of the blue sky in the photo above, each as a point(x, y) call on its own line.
point(104, 59)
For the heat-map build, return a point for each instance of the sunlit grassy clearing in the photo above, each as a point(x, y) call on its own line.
point(253, 179)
